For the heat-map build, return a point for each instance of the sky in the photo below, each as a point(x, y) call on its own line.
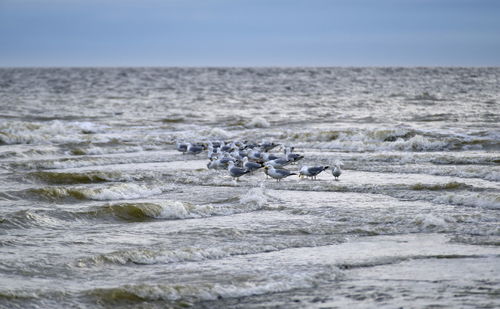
point(81, 33)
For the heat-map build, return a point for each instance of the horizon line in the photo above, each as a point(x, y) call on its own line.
point(241, 67)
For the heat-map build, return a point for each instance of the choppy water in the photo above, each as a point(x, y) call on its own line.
point(98, 209)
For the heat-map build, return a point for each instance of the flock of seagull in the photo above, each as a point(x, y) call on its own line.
point(242, 158)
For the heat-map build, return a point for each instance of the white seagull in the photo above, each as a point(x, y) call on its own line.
point(311, 171)
point(336, 170)
point(194, 149)
point(235, 171)
point(277, 174)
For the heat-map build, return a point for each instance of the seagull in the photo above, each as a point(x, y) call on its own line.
point(269, 156)
point(251, 166)
point(194, 149)
point(235, 171)
point(277, 174)
point(212, 152)
point(280, 162)
point(220, 163)
point(311, 171)
point(182, 147)
point(266, 146)
point(292, 157)
point(254, 155)
point(337, 171)
point(227, 148)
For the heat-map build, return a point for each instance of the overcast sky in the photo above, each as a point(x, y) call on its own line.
point(250, 33)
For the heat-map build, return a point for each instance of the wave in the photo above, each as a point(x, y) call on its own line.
point(388, 139)
point(437, 158)
point(31, 153)
point(166, 209)
point(257, 122)
point(461, 193)
point(186, 293)
point(88, 161)
point(159, 256)
point(483, 172)
point(453, 185)
point(27, 219)
point(76, 178)
point(113, 192)
point(98, 150)
point(253, 200)
point(56, 131)
point(128, 212)
point(484, 200)
point(478, 240)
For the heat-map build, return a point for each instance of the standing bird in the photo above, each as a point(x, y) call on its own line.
point(235, 171)
point(278, 163)
point(254, 155)
point(251, 166)
point(194, 149)
point(182, 147)
point(266, 146)
point(292, 157)
point(277, 174)
point(337, 171)
point(268, 156)
point(311, 171)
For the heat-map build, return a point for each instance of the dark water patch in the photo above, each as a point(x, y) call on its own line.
point(173, 120)
point(116, 295)
point(78, 151)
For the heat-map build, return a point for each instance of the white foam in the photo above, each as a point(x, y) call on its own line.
point(89, 127)
point(255, 197)
point(417, 143)
point(121, 191)
point(212, 291)
point(148, 256)
point(56, 131)
point(257, 122)
point(430, 221)
point(175, 210)
point(218, 133)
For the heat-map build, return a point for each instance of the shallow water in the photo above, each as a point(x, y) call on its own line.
point(98, 209)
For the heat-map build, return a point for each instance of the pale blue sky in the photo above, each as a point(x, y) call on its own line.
point(250, 33)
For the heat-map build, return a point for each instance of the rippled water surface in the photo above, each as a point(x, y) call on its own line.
point(99, 210)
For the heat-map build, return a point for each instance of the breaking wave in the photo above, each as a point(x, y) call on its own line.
point(113, 192)
point(27, 219)
point(485, 200)
point(397, 139)
point(55, 131)
point(76, 178)
point(145, 211)
point(206, 291)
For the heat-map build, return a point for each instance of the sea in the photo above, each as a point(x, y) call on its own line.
point(99, 210)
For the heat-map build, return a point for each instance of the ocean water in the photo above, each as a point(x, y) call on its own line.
point(98, 209)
